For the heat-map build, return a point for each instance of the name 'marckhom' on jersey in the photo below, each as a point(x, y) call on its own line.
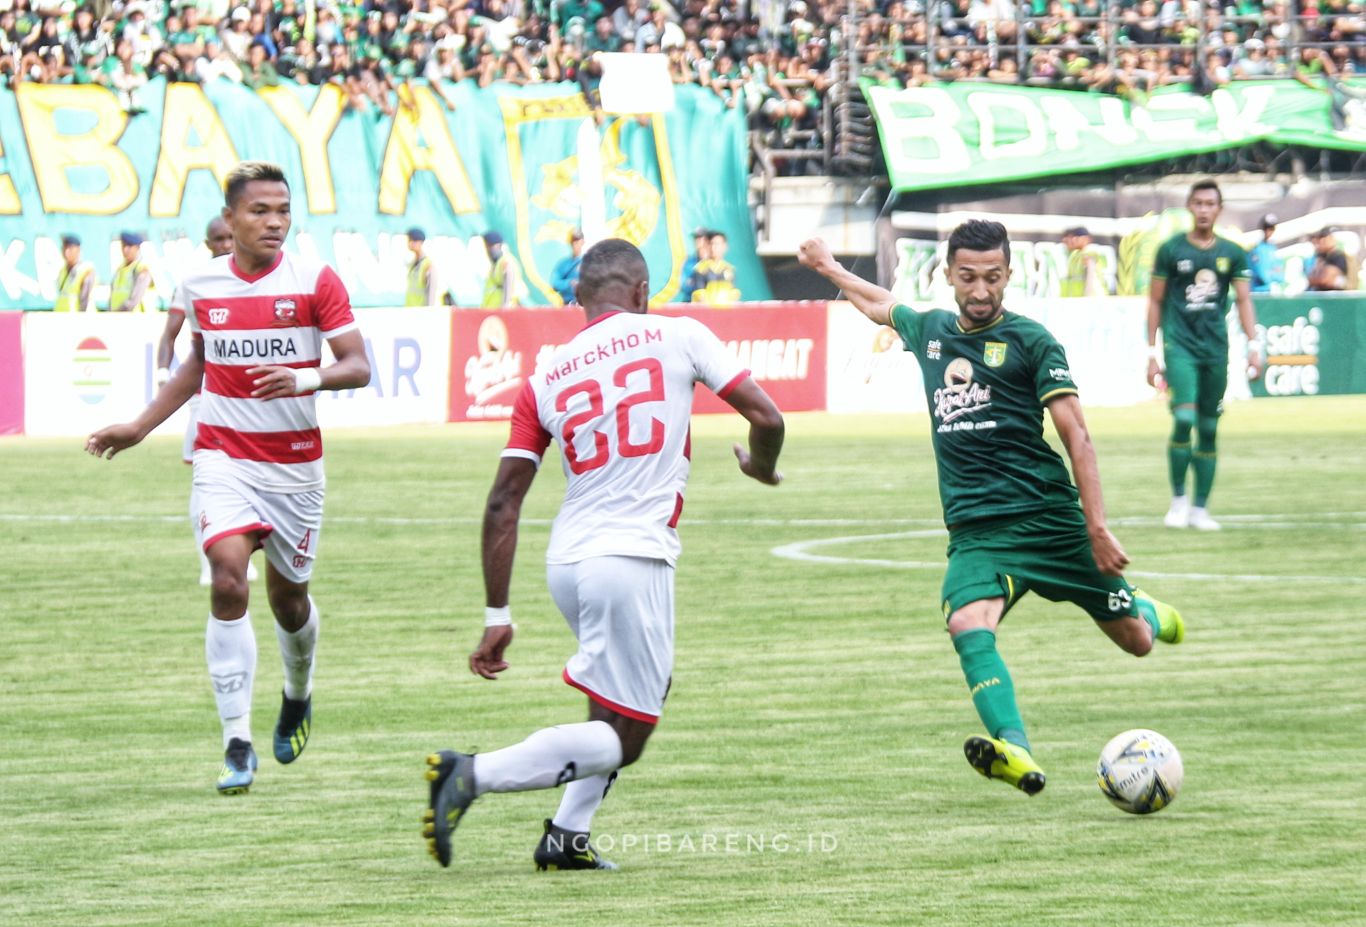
point(618, 400)
point(278, 317)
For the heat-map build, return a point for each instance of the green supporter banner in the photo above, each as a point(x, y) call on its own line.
point(528, 162)
point(1315, 344)
point(947, 135)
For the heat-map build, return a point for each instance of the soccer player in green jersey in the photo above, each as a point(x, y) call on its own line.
point(1188, 300)
point(1016, 521)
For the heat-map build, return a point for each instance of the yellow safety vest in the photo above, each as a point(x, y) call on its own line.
point(718, 283)
point(417, 282)
point(122, 287)
point(1074, 284)
point(69, 284)
point(493, 285)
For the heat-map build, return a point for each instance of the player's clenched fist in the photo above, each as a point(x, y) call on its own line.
point(815, 254)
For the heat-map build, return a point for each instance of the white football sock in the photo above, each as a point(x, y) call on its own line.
point(581, 799)
point(230, 649)
point(549, 757)
point(296, 650)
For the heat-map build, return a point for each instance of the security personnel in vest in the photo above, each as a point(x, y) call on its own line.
point(422, 290)
point(1085, 265)
point(504, 287)
point(75, 280)
point(131, 289)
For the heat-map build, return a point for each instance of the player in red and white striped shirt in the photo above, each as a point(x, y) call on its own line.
point(618, 400)
point(259, 317)
point(218, 239)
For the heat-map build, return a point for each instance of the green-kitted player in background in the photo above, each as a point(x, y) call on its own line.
point(1016, 521)
point(1188, 300)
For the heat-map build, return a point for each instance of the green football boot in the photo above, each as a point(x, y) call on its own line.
point(1171, 628)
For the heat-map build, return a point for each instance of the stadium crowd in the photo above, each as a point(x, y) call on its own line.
point(775, 58)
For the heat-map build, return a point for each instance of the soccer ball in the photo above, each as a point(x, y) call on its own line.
point(1139, 771)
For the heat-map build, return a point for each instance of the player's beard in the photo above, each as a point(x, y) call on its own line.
point(980, 313)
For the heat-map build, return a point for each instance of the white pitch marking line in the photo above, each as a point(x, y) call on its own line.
point(802, 551)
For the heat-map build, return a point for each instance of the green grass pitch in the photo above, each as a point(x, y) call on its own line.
point(809, 767)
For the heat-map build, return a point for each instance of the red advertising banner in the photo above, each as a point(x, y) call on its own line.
point(494, 352)
point(11, 373)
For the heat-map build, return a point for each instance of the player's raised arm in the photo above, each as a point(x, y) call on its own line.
point(1071, 425)
point(502, 512)
point(868, 298)
point(109, 441)
point(766, 430)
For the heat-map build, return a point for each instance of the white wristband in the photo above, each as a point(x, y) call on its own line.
point(1153, 352)
point(498, 617)
point(1254, 346)
point(306, 380)
point(163, 374)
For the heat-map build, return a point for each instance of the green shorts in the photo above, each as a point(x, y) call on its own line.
point(1195, 382)
point(1048, 552)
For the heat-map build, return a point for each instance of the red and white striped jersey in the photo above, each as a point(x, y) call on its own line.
point(277, 317)
point(618, 400)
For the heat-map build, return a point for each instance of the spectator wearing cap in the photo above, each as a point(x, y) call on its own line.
point(566, 274)
point(1328, 270)
point(503, 287)
point(422, 285)
point(132, 290)
point(75, 280)
point(1086, 265)
point(701, 253)
point(1268, 269)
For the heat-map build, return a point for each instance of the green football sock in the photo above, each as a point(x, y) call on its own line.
point(993, 694)
point(1204, 460)
point(1179, 449)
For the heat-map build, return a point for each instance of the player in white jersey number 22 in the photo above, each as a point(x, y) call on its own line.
point(258, 318)
point(618, 400)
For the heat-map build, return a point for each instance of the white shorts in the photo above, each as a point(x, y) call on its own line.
point(288, 525)
point(191, 430)
point(621, 609)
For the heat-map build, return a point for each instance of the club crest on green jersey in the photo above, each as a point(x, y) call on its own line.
point(995, 354)
point(1222, 265)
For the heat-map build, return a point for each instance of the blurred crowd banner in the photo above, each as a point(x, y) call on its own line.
point(504, 158)
point(1315, 344)
point(946, 135)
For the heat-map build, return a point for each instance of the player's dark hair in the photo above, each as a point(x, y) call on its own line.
point(610, 263)
point(980, 235)
point(249, 171)
point(1206, 184)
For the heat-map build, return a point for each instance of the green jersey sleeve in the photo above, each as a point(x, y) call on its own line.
point(1052, 375)
point(909, 324)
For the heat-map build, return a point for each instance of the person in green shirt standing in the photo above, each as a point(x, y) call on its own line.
point(1016, 520)
point(132, 289)
point(422, 288)
point(1188, 300)
point(75, 280)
